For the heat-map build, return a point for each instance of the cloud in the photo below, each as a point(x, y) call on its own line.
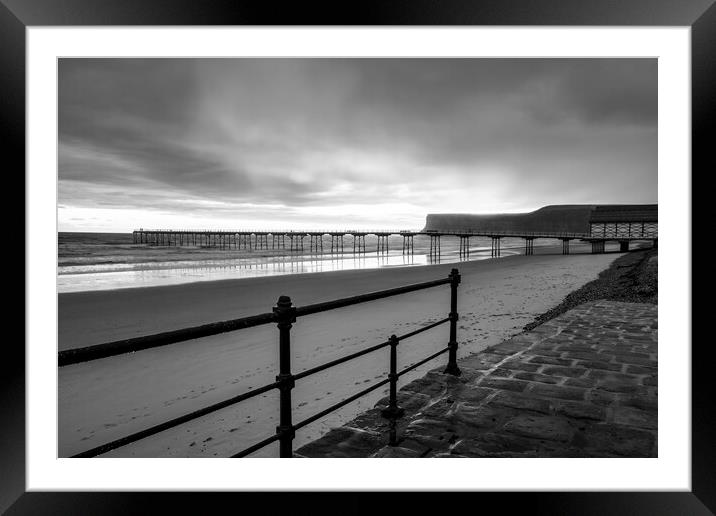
point(313, 135)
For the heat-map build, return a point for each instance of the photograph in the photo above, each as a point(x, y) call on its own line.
point(357, 257)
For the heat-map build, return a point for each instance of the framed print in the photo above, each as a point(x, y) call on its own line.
point(187, 169)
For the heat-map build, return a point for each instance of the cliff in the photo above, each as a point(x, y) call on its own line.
point(556, 218)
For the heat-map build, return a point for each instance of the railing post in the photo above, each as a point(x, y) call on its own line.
point(286, 315)
point(452, 367)
point(393, 411)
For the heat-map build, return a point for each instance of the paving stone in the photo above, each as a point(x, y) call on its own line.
point(589, 364)
point(637, 369)
point(343, 442)
point(631, 416)
point(432, 433)
point(651, 380)
point(425, 386)
point(618, 387)
point(601, 398)
point(536, 377)
point(584, 355)
point(468, 448)
point(475, 417)
point(504, 383)
point(420, 448)
point(522, 365)
point(467, 375)
point(641, 402)
point(439, 409)
point(396, 452)
point(619, 440)
point(613, 376)
point(551, 361)
point(626, 359)
point(625, 354)
point(520, 401)
point(408, 401)
point(489, 444)
point(508, 348)
point(557, 391)
point(371, 420)
point(501, 372)
point(482, 361)
point(471, 394)
point(575, 347)
point(564, 371)
point(438, 375)
point(544, 346)
point(580, 382)
point(580, 410)
point(541, 427)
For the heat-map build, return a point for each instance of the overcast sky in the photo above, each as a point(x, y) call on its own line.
point(337, 143)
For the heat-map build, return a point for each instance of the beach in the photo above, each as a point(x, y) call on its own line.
point(106, 399)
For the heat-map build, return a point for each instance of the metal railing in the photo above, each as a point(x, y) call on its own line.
point(284, 314)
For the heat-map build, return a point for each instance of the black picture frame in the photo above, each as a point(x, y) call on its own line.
point(17, 15)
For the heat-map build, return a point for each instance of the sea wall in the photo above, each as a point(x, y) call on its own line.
point(556, 218)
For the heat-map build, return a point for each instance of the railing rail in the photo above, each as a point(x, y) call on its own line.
point(284, 314)
point(120, 347)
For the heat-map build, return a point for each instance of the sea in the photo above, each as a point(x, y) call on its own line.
point(106, 261)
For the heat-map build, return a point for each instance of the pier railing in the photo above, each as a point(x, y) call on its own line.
point(284, 314)
point(396, 232)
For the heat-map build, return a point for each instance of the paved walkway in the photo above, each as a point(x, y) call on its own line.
point(581, 385)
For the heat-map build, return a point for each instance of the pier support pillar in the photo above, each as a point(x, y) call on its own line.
point(464, 246)
point(624, 246)
point(496, 244)
point(408, 245)
point(382, 247)
point(529, 246)
point(435, 247)
point(565, 246)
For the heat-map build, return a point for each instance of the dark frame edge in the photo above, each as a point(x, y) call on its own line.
point(703, 110)
point(702, 499)
point(12, 136)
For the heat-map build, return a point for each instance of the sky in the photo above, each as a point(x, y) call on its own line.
point(347, 143)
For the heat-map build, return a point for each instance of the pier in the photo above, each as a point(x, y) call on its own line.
point(340, 241)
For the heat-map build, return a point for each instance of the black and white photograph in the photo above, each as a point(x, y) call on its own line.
point(357, 257)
